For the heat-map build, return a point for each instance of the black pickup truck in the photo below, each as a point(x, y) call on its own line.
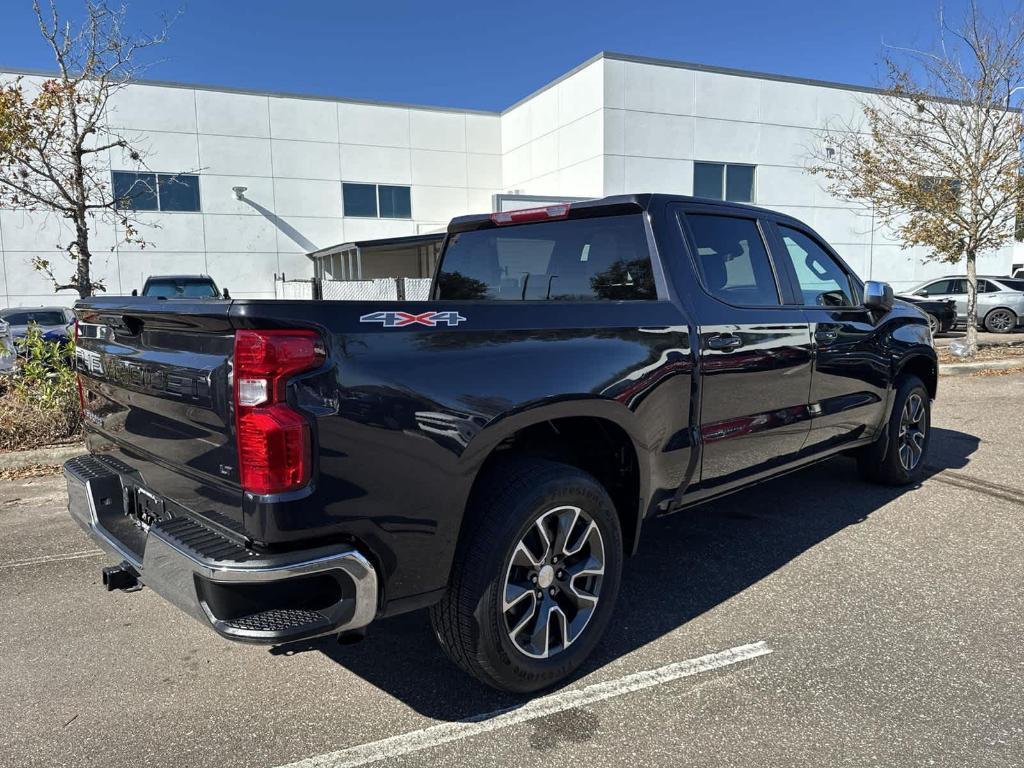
point(283, 470)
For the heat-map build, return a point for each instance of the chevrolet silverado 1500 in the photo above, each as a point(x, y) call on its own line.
point(283, 470)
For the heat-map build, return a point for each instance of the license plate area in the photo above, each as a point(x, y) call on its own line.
point(143, 507)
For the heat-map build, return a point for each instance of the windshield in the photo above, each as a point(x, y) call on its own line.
point(190, 289)
point(42, 317)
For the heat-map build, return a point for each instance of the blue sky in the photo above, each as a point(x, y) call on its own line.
point(488, 55)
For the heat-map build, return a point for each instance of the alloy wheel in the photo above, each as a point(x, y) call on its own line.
point(913, 429)
point(999, 321)
point(553, 582)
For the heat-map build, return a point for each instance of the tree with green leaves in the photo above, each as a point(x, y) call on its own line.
point(55, 136)
point(937, 155)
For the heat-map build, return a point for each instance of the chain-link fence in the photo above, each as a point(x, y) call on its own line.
point(381, 289)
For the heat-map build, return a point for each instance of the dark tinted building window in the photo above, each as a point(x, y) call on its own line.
point(156, 191)
point(135, 191)
point(178, 192)
point(360, 199)
point(394, 202)
point(724, 181)
point(732, 260)
point(568, 260)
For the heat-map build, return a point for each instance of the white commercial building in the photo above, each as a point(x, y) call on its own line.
point(318, 172)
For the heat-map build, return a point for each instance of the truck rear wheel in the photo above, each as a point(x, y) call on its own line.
point(897, 457)
point(535, 578)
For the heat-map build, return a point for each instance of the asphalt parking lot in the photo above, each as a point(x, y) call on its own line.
point(893, 619)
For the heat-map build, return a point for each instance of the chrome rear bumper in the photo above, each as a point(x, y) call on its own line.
point(242, 594)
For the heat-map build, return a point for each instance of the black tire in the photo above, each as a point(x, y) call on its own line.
point(471, 622)
point(885, 460)
point(1000, 320)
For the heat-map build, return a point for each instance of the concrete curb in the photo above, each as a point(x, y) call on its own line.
point(51, 455)
point(962, 369)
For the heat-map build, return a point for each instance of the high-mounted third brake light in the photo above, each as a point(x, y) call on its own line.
point(524, 215)
point(273, 438)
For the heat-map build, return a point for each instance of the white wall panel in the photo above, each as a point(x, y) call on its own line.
point(156, 108)
point(305, 159)
point(370, 124)
point(306, 197)
point(216, 195)
point(484, 171)
point(726, 96)
point(582, 139)
point(244, 273)
point(647, 134)
point(789, 104)
point(645, 174)
point(584, 179)
point(229, 234)
point(515, 128)
point(168, 232)
point(233, 114)
point(437, 130)
point(726, 141)
point(442, 169)
point(386, 165)
point(434, 203)
point(581, 93)
point(483, 134)
point(235, 156)
point(303, 234)
point(370, 229)
point(159, 151)
point(659, 89)
point(780, 185)
point(303, 119)
point(544, 116)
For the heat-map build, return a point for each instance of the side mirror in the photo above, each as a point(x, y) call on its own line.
point(226, 294)
point(878, 296)
point(922, 292)
point(135, 291)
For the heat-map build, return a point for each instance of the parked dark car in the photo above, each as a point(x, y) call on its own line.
point(181, 287)
point(941, 312)
point(55, 323)
point(282, 470)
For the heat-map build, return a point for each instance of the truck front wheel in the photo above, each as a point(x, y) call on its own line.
point(535, 577)
point(898, 456)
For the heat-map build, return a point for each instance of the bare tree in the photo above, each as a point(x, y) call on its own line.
point(938, 155)
point(54, 138)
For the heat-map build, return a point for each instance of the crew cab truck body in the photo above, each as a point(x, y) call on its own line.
point(289, 469)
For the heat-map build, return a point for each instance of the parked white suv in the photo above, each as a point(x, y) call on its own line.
point(1000, 300)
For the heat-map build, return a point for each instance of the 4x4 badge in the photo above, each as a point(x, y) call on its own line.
point(402, 319)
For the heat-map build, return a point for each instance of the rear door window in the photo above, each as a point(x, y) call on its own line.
point(732, 260)
point(601, 258)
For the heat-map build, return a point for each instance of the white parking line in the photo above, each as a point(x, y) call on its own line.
point(444, 733)
point(51, 559)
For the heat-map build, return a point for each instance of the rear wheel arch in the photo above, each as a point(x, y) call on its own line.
point(591, 435)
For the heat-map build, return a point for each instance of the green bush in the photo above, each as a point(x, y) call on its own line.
point(39, 404)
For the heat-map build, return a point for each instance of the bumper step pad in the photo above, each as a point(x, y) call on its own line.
point(280, 620)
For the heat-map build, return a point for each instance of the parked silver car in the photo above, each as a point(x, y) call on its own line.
point(1000, 300)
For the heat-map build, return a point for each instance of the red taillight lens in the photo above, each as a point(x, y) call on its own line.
point(273, 449)
point(524, 215)
point(273, 439)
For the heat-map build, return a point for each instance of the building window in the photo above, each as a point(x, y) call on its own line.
point(156, 191)
point(724, 181)
point(376, 201)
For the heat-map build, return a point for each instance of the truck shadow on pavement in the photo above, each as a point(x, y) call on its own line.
point(688, 563)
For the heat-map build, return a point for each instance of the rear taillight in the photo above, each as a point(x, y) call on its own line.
point(524, 215)
point(78, 375)
point(273, 438)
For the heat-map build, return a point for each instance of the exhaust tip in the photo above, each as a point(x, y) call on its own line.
point(122, 577)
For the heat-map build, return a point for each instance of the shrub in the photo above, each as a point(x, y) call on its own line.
point(39, 404)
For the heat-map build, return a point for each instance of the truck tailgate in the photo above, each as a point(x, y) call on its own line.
point(156, 394)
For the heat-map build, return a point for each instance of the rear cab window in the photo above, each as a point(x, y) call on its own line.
point(604, 258)
point(190, 289)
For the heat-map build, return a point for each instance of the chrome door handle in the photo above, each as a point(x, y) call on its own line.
point(721, 341)
point(826, 335)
